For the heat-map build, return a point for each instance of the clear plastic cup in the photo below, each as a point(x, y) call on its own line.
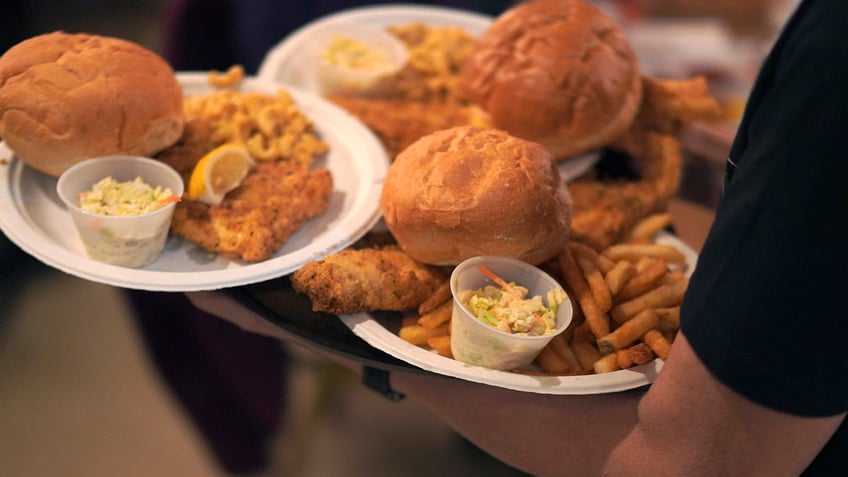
point(335, 79)
point(127, 240)
point(475, 342)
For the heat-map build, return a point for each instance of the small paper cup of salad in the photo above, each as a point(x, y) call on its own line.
point(504, 312)
point(352, 58)
point(122, 207)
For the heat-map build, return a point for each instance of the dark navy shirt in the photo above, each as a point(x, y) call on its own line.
point(767, 306)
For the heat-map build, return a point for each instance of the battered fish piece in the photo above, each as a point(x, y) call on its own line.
point(368, 279)
point(256, 219)
point(604, 210)
point(399, 123)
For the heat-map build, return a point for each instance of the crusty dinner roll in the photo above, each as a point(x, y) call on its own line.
point(68, 97)
point(557, 72)
point(467, 191)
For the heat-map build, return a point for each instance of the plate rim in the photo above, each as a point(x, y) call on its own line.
point(18, 227)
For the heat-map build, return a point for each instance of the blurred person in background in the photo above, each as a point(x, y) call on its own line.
point(756, 382)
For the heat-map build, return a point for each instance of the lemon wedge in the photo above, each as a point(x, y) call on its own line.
point(218, 172)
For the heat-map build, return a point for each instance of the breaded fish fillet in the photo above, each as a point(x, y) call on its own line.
point(604, 210)
point(368, 279)
point(255, 220)
point(399, 123)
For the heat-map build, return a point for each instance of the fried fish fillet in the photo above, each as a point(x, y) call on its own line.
point(605, 210)
point(368, 279)
point(399, 123)
point(256, 219)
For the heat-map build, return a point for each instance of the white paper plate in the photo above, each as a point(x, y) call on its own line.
point(33, 217)
point(381, 333)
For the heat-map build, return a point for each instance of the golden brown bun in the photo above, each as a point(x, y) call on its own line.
point(557, 72)
point(68, 97)
point(467, 191)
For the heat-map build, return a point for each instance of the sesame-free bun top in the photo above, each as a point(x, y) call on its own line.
point(467, 191)
point(68, 97)
point(557, 72)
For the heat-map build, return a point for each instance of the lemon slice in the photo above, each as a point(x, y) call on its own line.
point(219, 172)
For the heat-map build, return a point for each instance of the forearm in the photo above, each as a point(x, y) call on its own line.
point(538, 433)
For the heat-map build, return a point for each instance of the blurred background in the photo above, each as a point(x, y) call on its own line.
point(80, 396)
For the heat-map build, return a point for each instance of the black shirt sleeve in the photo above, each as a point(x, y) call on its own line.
point(767, 306)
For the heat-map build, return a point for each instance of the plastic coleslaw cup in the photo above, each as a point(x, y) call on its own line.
point(125, 240)
point(475, 342)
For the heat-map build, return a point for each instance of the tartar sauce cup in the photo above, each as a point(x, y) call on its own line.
point(478, 343)
point(125, 240)
point(334, 77)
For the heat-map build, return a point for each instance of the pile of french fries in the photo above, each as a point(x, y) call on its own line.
point(626, 302)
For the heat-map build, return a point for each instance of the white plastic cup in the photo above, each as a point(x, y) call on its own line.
point(129, 241)
point(333, 79)
point(478, 343)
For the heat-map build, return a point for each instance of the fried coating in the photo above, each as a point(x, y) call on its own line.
point(255, 220)
point(368, 279)
point(400, 123)
point(668, 105)
point(604, 211)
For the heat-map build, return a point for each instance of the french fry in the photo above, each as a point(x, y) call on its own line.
point(560, 345)
point(607, 364)
point(669, 318)
point(552, 362)
point(582, 332)
point(418, 335)
point(629, 332)
point(635, 251)
point(662, 296)
point(644, 263)
point(580, 249)
point(577, 317)
point(605, 264)
point(657, 342)
point(441, 295)
point(437, 317)
point(640, 353)
point(585, 352)
point(597, 320)
point(635, 355)
point(643, 280)
point(409, 320)
point(618, 275)
point(441, 344)
point(597, 284)
point(648, 227)
point(673, 276)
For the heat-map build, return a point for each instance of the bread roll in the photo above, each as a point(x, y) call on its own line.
point(68, 97)
point(466, 191)
point(557, 72)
